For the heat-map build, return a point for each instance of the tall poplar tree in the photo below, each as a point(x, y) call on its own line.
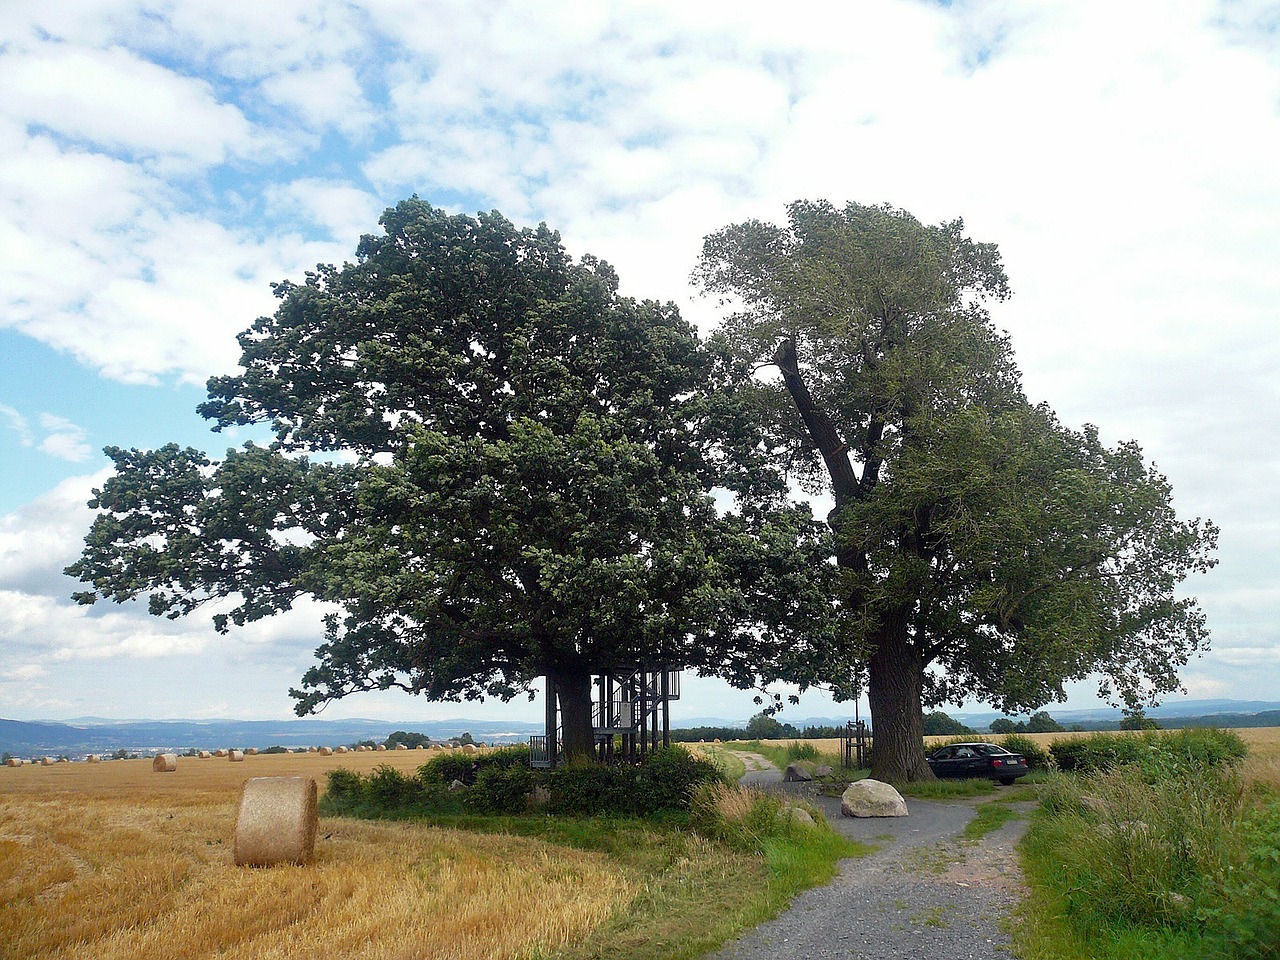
point(985, 550)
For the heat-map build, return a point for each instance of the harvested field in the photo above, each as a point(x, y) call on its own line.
point(108, 862)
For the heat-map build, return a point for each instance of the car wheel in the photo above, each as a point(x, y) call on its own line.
point(1008, 781)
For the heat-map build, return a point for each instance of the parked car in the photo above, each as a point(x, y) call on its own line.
point(977, 760)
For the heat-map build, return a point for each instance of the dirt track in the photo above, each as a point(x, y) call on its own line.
point(923, 894)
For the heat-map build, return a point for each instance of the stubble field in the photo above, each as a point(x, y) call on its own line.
point(116, 862)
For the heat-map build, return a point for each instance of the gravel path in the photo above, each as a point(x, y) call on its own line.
point(924, 894)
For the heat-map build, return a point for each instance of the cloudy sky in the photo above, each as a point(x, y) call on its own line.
point(162, 163)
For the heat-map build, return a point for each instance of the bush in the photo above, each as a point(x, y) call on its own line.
point(1037, 757)
point(1161, 754)
point(448, 767)
point(501, 789)
point(801, 751)
point(1248, 914)
point(734, 815)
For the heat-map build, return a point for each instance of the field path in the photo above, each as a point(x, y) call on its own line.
point(923, 894)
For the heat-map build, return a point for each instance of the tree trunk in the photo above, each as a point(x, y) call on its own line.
point(574, 692)
point(897, 715)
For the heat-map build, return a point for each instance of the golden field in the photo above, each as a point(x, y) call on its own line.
point(112, 861)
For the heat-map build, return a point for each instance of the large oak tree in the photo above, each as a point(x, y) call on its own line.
point(986, 550)
point(494, 464)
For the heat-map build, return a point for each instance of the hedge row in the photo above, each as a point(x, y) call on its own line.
point(502, 782)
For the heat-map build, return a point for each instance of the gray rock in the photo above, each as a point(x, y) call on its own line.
point(871, 798)
point(823, 771)
point(795, 815)
point(796, 774)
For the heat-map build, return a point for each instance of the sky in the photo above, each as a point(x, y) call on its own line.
point(162, 163)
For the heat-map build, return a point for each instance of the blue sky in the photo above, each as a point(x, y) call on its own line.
point(162, 163)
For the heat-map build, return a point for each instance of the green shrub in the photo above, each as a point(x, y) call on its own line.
point(1161, 754)
point(345, 786)
point(801, 751)
point(390, 789)
point(1037, 757)
point(501, 789)
point(737, 816)
point(1248, 912)
point(591, 788)
point(448, 767)
point(668, 778)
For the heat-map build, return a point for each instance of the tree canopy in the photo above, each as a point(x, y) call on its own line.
point(494, 464)
point(986, 550)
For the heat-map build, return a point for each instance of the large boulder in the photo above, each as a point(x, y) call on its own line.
point(871, 798)
point(796, 774)
point(822, 771)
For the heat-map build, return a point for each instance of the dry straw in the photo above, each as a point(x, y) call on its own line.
point(92, 758)
point(382, 746)
point(251, 751)
point(235, 756)
point(339, 749)
point(205, 754)
point(13, 762)
point(164, 763)
point(48, 762)
point(219, 753)
point(468, 748)
point(277, 821)
point(402, 746)
point(325, 751)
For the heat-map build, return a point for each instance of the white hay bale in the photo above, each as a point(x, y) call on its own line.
point(325, 751)
point(251, 751)
point(468, 748)
point(339, 749)
point(235, 756)
point(48, 762)
point(381, 747)
point(13, 762)
point(277, 821)
point(312, 750)
point(92, 758)
point(205, 754)
point(402, 746)
point(419, 747)
point(164, 763)
point(219, 753)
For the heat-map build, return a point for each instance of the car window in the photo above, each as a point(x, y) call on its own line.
point(946, 753)
point(964, 752)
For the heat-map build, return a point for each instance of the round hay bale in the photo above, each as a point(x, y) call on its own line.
point(402, 746)
point(312, 750)
point(339, 749)
point(380, 747)
point(251, 751)
point(235, 756)
point(92, 758)
point(419, 747)
point(164, 763)
point(13, 762)
point(325, 751)
point(219, 753)
point(48, 762)
point(277, 821)
point(468, 748)
point(205, 754)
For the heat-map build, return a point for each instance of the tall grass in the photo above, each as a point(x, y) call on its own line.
point(1174, 855)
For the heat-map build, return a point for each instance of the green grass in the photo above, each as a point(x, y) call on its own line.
point(947, 789)
point(990, 817)
point(726, 761)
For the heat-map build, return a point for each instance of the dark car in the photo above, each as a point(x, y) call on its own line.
point(977, 760)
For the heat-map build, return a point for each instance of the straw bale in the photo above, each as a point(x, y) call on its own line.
point(381, 746)
point(402, 746)
point(468, 748)
point(13, 762)
point(277, 821)
point(339, 749)
point(48, 762)
point(92, 758)
point(164, 763)
point(419, 747)
point(219, 753)
point(325, 751)
point(235, 756)
point(205, 754)
point(250, 751)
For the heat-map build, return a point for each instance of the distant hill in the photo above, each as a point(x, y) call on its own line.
point(90, 735)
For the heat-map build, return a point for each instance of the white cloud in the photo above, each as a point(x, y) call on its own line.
point(117, 101)
point(65, 440)
point(18, 424)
